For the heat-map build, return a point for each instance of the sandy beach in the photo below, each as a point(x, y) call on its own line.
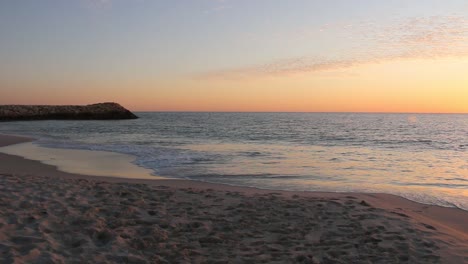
point(49, 216)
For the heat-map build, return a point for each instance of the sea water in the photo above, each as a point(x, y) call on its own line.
point(423, 157)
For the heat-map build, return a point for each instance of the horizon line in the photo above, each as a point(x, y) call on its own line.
point(302, 112)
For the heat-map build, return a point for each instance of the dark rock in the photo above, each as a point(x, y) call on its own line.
point(102, 111)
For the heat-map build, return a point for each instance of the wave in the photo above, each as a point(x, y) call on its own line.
point(155, 158)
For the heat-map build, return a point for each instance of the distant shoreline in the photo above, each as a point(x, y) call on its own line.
point(293, 112)
point(101, 111)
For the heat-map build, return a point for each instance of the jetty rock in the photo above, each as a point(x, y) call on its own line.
point(101, 111)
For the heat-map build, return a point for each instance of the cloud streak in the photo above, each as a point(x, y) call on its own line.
point(415, 38)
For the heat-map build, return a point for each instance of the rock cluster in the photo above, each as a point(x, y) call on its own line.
point(102, 111)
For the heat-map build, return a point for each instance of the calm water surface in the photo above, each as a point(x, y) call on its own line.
point(423, 157)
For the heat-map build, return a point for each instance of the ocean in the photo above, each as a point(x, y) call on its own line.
point(422, 157)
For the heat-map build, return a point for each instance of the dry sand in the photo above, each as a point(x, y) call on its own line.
point(48, 216)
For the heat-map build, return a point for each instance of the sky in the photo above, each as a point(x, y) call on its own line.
point(237, 55)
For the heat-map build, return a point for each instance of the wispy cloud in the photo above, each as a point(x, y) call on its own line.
point(421, 38)
point(282, 67)
point(426, 36)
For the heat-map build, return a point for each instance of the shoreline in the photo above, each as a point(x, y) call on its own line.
point(10, 139)
point(447, 226)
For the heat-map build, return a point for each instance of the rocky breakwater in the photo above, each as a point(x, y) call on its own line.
point(102, 111)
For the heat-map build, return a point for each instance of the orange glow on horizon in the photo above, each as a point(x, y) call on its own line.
point(405, 86)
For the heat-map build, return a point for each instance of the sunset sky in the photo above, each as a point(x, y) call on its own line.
point(237, 55)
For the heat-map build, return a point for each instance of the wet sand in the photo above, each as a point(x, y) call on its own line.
point(48, 216)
